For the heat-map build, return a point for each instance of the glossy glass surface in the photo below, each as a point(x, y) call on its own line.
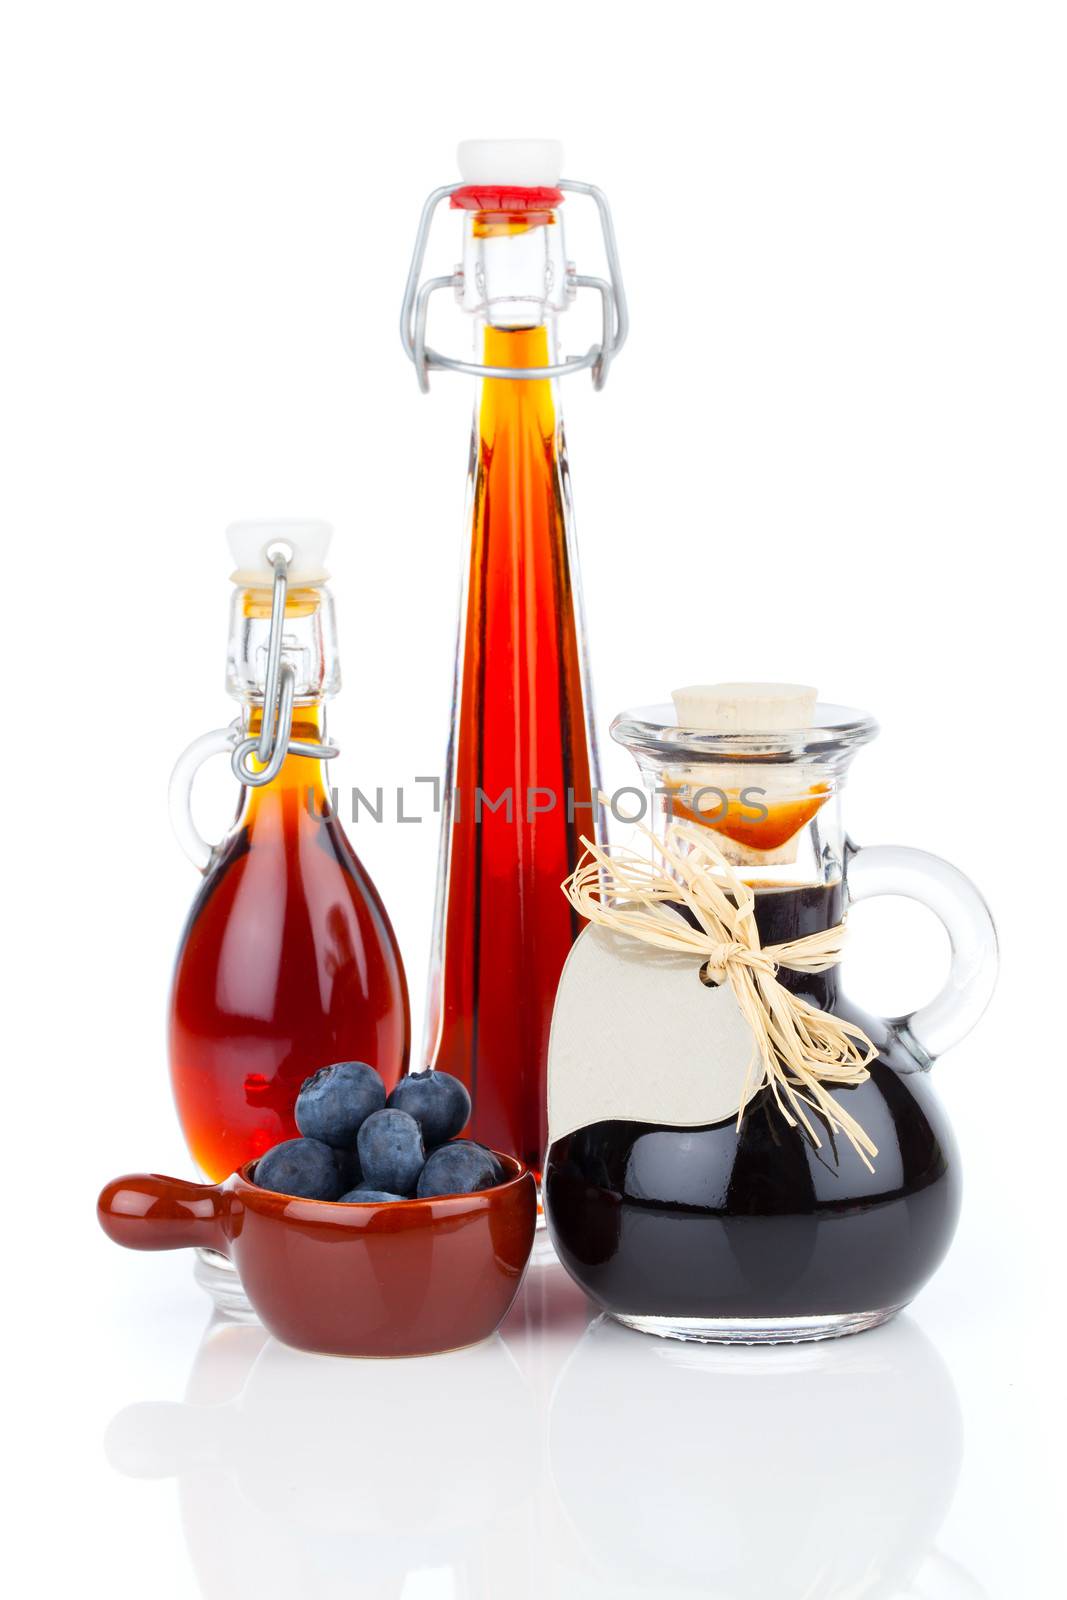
point(413, 1277)
point(522, 775)
point(288, 962)
point(715, 1223)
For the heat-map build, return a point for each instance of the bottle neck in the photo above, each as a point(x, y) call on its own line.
point(517, 347)
point(309, 642)
point(514, 269)
point(788, 911)
point(518, 417)
point(301, 779)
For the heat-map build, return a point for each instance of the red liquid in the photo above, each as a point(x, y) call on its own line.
point(288, 962)
point(521, 726)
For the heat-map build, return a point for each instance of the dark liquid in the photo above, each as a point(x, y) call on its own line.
point(715, 1223)
point(288, 963)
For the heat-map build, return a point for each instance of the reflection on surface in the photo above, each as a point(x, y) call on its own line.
point(567, 1456)
point(323, 1477)
point(820, 1470)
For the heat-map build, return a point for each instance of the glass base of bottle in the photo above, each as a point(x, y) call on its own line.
point(218, 1278)
point(758, 1330)
point(543, 1248)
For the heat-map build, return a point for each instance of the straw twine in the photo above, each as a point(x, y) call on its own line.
point(798, 1048)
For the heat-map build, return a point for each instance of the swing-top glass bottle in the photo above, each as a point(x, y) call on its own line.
point(288, 960)
point(521, 780)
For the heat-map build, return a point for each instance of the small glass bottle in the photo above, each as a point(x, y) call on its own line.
point(288, 961)
point(749, 1230)
point(521, 781)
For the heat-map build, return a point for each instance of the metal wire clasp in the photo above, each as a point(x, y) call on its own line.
point(598, 358)
point(273, 743)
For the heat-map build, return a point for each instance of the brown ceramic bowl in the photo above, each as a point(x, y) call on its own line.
point(399, 1278)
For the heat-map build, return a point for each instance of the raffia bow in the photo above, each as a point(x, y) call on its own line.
point(798, 1048)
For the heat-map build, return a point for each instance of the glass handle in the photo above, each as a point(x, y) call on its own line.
point(180, 792)
point(914, 874)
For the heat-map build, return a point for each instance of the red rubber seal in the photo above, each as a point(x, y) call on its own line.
point(504, 197)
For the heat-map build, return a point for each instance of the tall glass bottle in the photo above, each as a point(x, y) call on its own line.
point(521, 780)
point(288, 960)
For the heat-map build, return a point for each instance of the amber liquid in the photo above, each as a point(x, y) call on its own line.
point(287, 963)
point(765, 826)
point(505, 929)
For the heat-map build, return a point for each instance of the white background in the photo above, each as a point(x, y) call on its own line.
point(832, 452)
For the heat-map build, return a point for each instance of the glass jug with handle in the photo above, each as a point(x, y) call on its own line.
point(748, 1230)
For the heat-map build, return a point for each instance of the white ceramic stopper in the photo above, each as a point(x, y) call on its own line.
point(252, 544)
point(518, 163)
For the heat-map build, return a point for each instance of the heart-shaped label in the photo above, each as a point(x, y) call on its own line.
point(637, 1036)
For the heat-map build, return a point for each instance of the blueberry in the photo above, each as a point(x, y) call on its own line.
point(362, 1196)
point(439, 1103)
point(350, 1173)
point(458, 1168)
point(306, 1168)
point(391, 1151)
point(499, 1170)
point(335, 1101)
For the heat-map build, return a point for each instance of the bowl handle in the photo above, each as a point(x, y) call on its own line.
point(146, 1211)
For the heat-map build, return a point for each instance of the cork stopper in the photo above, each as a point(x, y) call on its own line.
point(715, 794)
point(745, 707)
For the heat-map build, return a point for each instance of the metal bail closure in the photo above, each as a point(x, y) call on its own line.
point(270, 746)
point(597, 359)
point(273, 743)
